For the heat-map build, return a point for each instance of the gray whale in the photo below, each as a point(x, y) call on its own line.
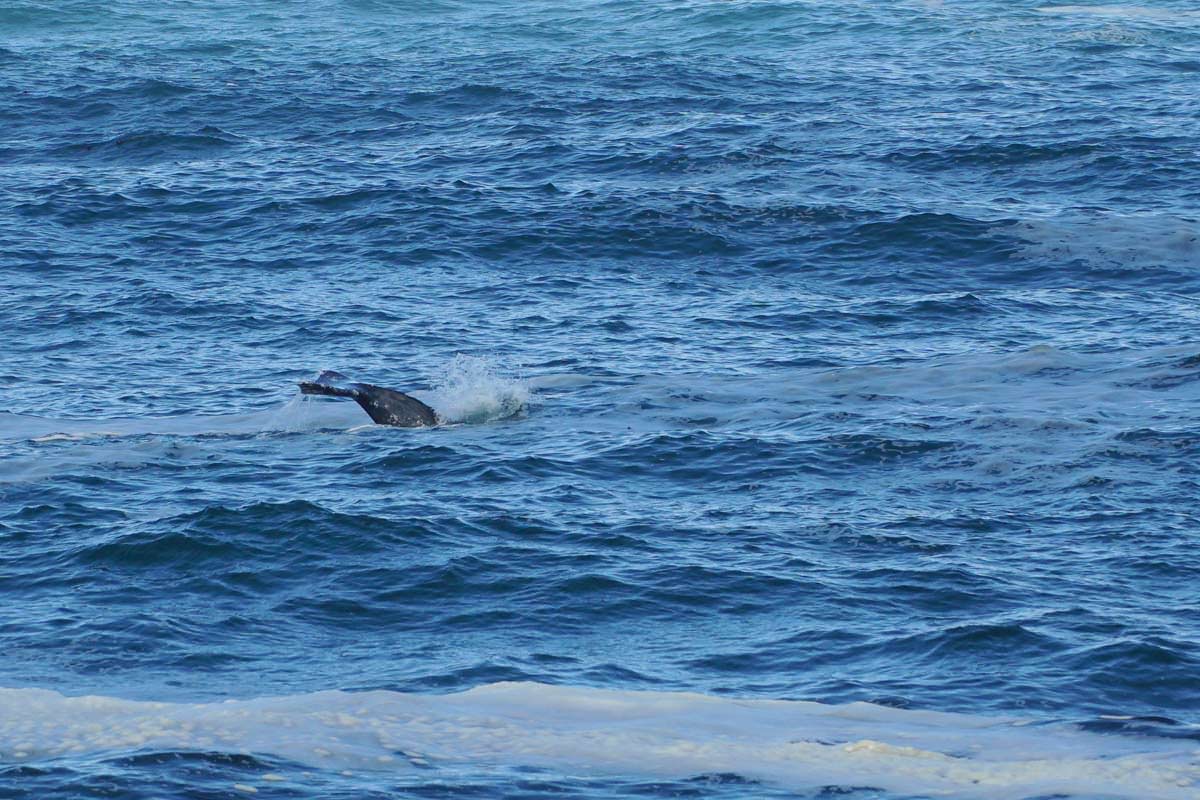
point(385, 406)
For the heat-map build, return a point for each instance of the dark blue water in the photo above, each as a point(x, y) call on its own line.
point(835, 352)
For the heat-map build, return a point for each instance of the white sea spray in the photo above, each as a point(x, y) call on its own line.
point(473, 389)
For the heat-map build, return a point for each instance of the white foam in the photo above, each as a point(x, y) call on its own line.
point(798, 745)
point(297, 414)
point(304, 413)
point(470, 389)
point(566, 380)
point(1127, 241)
point(1119, 11)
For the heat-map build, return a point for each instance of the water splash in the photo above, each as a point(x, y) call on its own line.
point(470, 389)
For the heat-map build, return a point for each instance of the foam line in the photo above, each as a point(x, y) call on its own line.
point(798, 745)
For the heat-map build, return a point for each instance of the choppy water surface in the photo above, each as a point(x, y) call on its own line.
point(820, 384)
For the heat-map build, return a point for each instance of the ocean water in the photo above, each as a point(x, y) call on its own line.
point(820, 385)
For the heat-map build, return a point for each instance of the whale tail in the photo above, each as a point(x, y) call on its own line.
point(384, 406)
point(332, 384)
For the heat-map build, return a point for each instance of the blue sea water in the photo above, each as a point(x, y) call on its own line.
point(821, 388)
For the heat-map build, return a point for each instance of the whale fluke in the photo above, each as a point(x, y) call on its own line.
point(385, 406)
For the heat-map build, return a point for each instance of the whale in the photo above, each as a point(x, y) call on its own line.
point(384, 406)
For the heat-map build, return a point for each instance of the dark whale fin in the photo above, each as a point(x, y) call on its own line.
point(333, 384)
point(384, 406)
